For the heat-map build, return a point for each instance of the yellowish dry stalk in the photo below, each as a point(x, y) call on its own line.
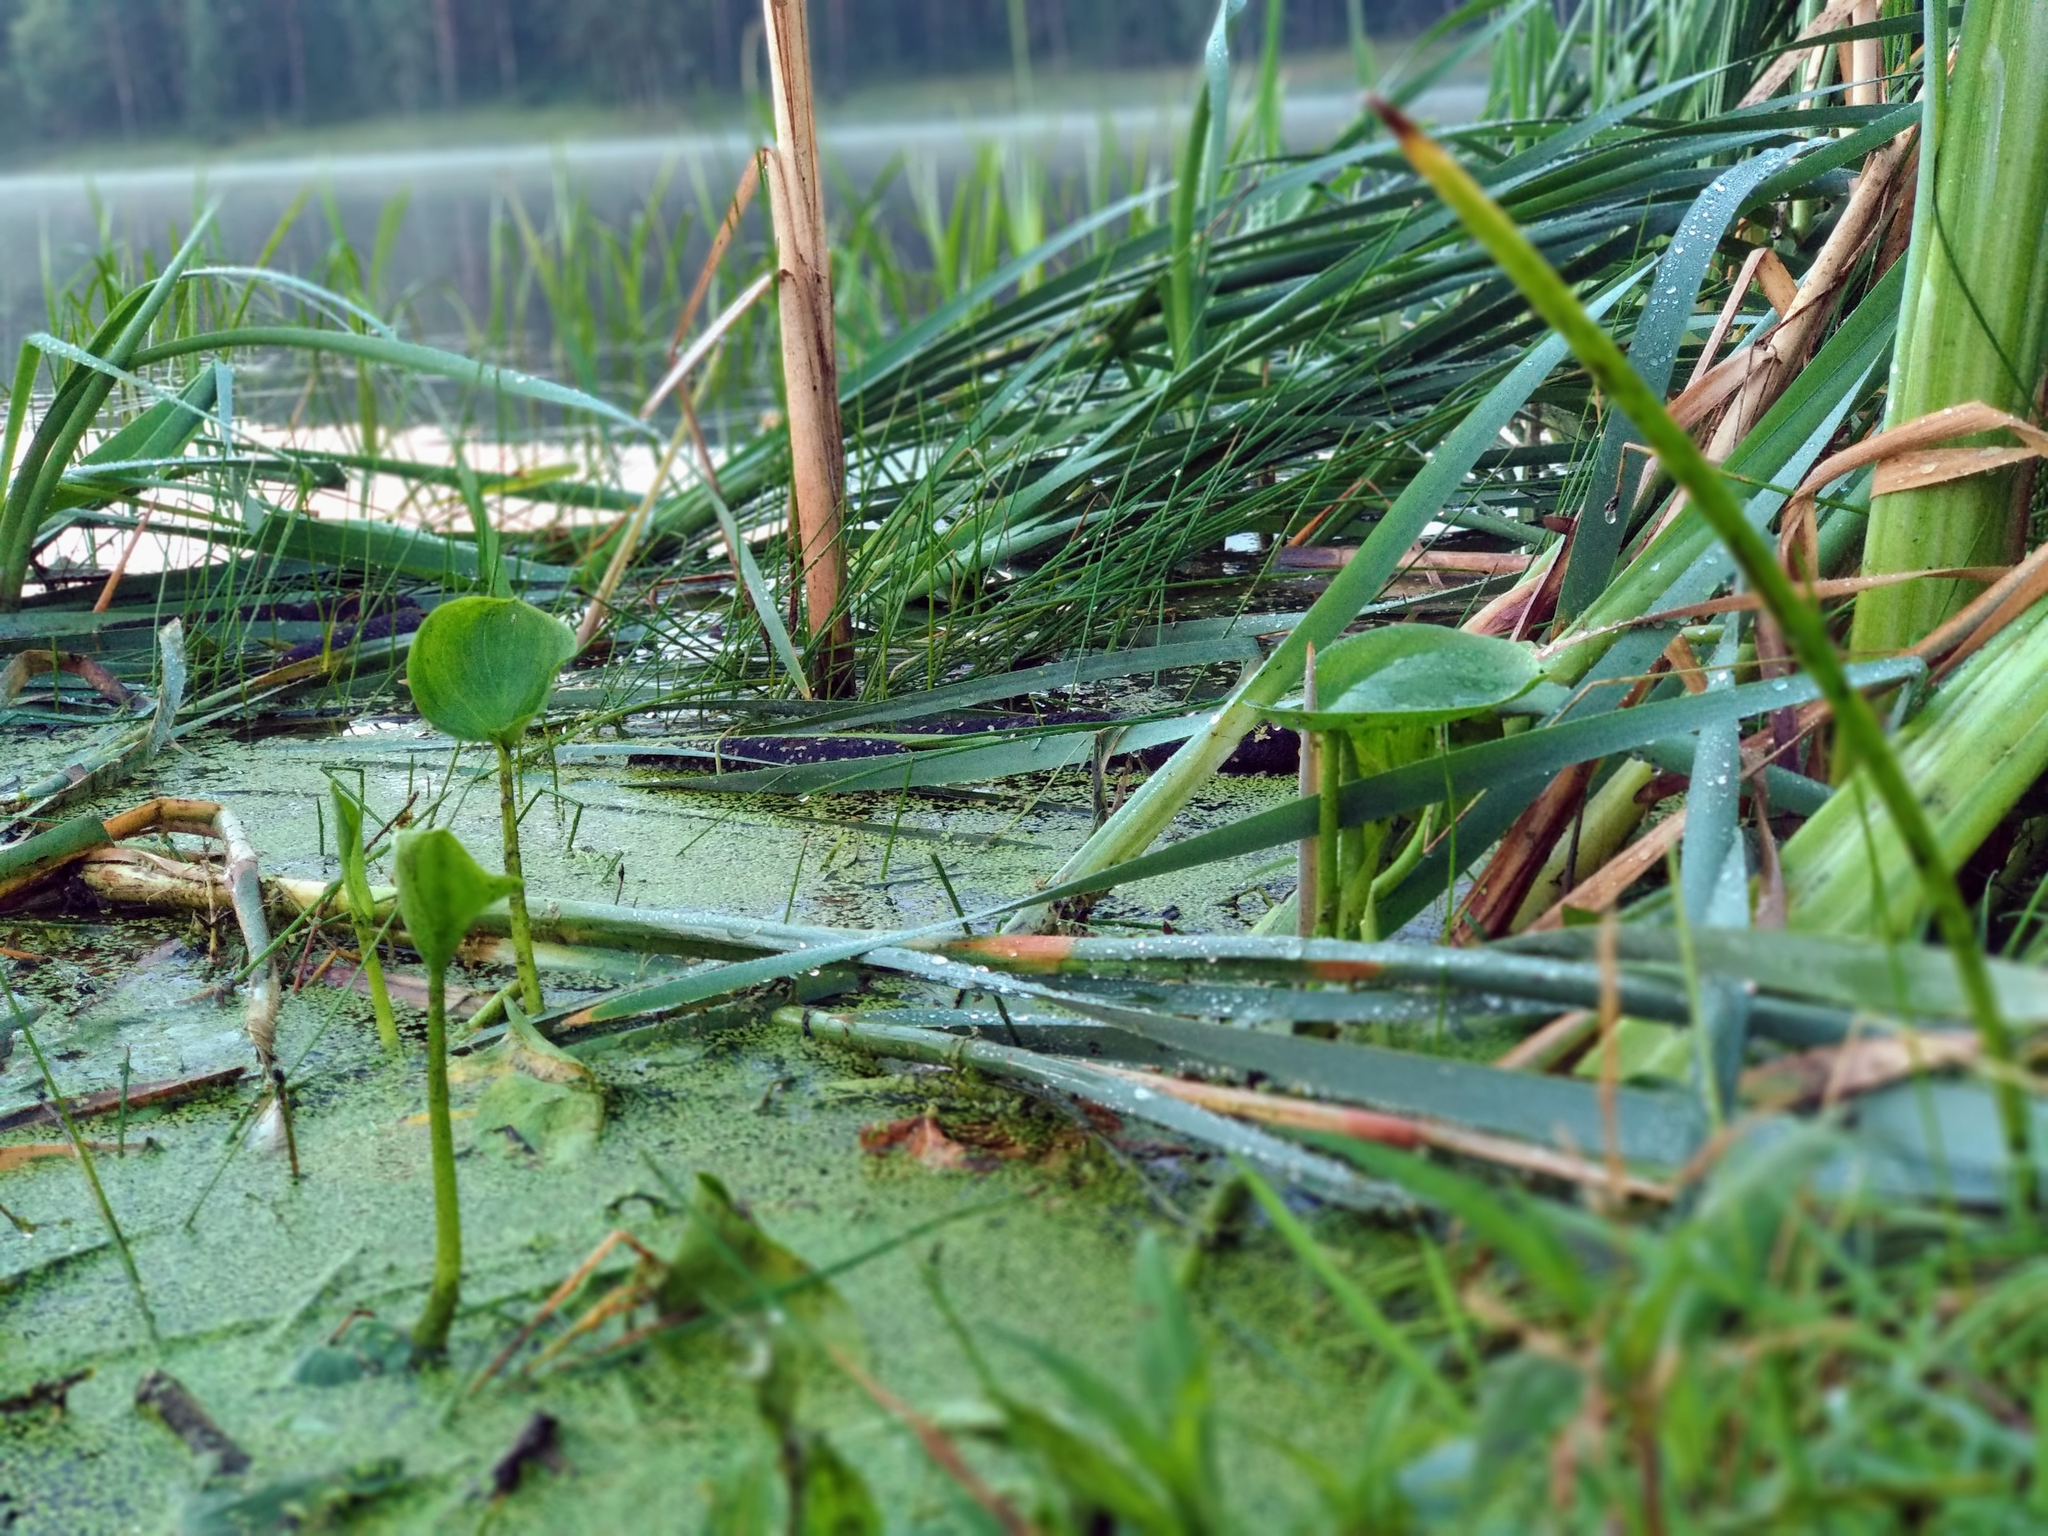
point(810, 367)
point(1863, 60)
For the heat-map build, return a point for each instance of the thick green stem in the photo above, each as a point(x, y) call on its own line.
point(1975, 321)
point(373, 971)
point(430, 1335)
point(1352, 859)
point(1329, 879)
point(522, 930)
point(1358, 919)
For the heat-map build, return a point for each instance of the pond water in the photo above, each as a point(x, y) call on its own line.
point(52, 223)
point(268, 1269)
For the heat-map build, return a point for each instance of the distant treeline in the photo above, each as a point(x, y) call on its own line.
point(107, 68)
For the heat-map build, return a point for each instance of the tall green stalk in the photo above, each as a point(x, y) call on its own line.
point(522, 929)
point(1975, 322)
point(362, 909)
point(1020, 53)
point(441, 893)
point(1364, 66)
point(430, 1333)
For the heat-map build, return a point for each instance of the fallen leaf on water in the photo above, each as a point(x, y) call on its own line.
point(538, 1092)
point(919, 1136)
point(29, 1151)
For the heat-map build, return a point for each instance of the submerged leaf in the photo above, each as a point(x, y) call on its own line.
point(299, 1503)
point(559, 1121)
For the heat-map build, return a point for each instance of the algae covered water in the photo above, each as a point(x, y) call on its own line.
point(274, 1299)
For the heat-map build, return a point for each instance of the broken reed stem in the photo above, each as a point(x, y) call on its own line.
point(515, 901)
point(430, 1334)
point(935, 1444)
point(810, 367)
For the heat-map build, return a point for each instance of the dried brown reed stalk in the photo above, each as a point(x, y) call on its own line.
point(810, 367)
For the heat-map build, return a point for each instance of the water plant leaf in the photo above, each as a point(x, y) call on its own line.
point(546, 1098)
point(1652, 353)
point(348, 843)
point(384, 549)
point(441, 892)
point(1913, 981)
point(1411, 674)
point(836, 1499)
point(409, 357)
point(480, 667)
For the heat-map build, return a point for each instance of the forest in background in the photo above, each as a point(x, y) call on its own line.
point(209, 69)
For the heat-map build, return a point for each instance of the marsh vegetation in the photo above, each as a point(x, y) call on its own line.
point(1342, 840)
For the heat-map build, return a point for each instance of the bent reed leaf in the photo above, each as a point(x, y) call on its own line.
point(1860, 731)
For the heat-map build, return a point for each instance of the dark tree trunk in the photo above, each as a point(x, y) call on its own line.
point(444, 49)
point(725, 65)
point(295, 56)
point(124, 80)
point(508, 53)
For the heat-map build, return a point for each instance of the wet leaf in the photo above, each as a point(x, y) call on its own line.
point(1411, 674)
point(28, 1152)
point(529, 1051)
point(371, 1347)
point(481, 667)
point(348, 842)
point(921, 1138)
point(559, 1120)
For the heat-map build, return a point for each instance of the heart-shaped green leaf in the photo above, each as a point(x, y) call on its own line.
point(1410, 674)
point(480, 667)
point(441, 892)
